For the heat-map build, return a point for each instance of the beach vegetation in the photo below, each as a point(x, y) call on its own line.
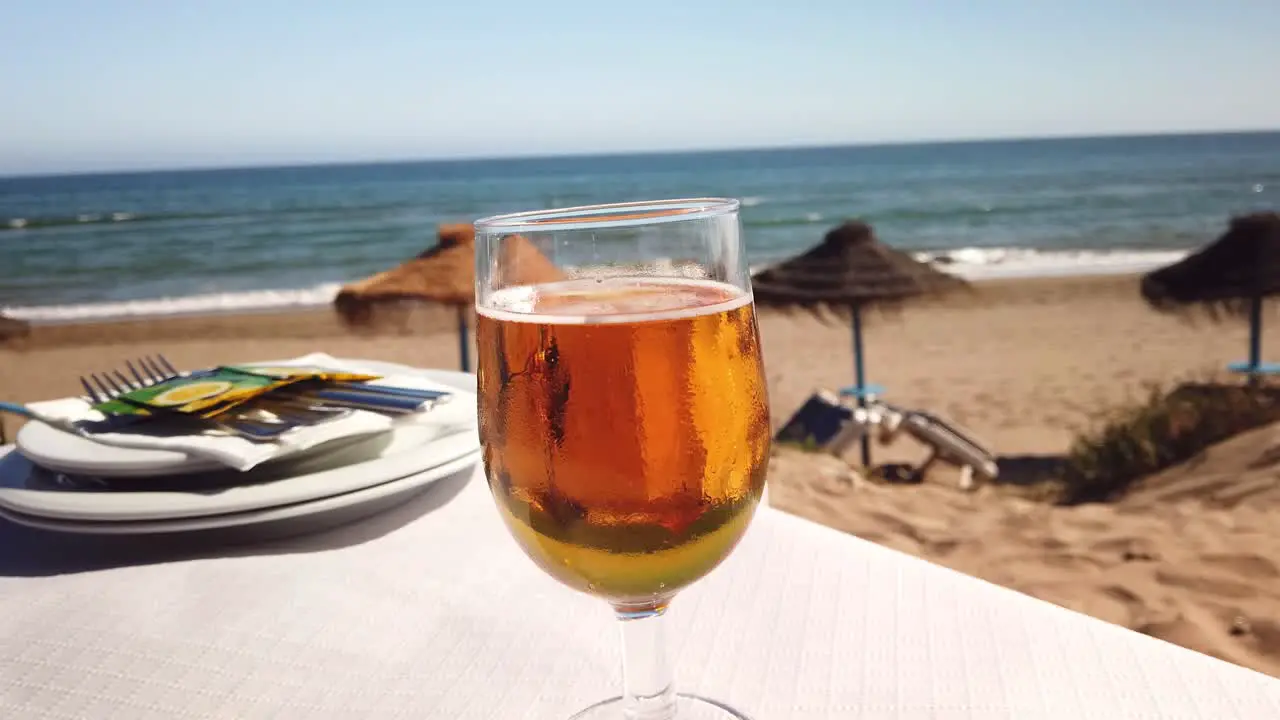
point(1162, 430)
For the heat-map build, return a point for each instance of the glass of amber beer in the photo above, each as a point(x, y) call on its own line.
point(623, 411)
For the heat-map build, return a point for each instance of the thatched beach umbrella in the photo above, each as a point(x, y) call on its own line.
point(850, 269)
point(1230, 276)
point(444, 274)
point(12, 328)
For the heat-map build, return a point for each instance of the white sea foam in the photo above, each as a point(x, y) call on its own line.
point(212, 303)
point(970, 263)
point(992, 263)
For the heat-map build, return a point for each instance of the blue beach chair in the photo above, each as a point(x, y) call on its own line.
point(818, 422)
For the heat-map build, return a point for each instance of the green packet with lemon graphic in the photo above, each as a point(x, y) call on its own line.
point(204, 394)
point(208, 393)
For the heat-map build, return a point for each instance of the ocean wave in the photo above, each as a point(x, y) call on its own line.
point(35, 223)
point(951, 214)
point(971, 263)
point(990, 263)
point(210, 303)
point(108, 218)
point(959, 213)
point(805, 219)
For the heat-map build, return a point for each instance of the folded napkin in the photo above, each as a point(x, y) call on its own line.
point(454, 414)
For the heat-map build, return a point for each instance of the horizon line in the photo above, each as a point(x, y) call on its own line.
point(634, 153)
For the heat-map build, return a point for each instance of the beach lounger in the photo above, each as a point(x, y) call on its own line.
point(948, 443)
point(860, 423)
point(824, 422)
point(833, 424)
point(862, 394)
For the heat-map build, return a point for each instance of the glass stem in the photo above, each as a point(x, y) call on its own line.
point(648, 690)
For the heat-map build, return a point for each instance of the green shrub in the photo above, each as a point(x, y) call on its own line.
point(1163, 430)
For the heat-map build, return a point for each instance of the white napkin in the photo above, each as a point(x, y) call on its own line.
point(241, 454)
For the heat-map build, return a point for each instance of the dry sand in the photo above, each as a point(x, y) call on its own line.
point(1203, 577)
point(1023, 364)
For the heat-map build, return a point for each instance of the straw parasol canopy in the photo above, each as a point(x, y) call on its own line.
point(1228, 277)
point(851, 269)
point(1227, 274)
point(12, 328)
point(444, 274)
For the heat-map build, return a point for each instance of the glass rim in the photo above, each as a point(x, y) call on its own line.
point(608, 215)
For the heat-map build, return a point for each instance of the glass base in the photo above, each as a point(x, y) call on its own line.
point(688, 707)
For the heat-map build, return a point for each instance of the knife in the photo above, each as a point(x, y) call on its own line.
point(362, 400)
point(437, 395)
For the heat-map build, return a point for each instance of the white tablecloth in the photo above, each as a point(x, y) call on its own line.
point(432, 612)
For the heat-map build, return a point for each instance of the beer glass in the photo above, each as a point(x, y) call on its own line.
point(623, 412)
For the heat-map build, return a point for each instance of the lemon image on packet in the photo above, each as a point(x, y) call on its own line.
point(191, 392)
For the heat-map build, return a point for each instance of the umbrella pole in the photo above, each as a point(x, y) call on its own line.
point(1255, 339)
point(860, 378)
point(464, 346)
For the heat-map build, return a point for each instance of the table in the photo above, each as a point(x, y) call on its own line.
point(431, 611)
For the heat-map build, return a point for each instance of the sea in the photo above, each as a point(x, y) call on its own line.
point(107, 246)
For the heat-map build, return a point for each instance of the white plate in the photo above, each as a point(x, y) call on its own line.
point(26, 490)
point(312, 516)
point(69, 453)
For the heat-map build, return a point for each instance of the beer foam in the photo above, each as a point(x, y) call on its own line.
point(613, 300)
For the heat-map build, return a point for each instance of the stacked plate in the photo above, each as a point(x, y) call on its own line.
point(59, 481)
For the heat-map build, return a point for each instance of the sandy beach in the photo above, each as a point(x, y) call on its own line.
point(1024, 364)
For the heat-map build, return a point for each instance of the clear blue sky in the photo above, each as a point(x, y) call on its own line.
point(101, 84)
